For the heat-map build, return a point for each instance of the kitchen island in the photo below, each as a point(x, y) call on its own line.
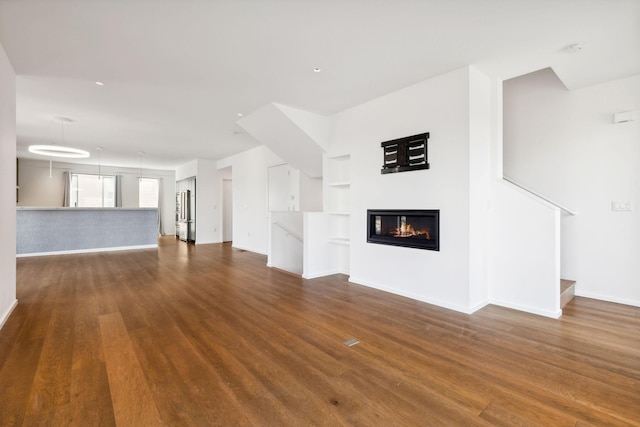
point(50, 231)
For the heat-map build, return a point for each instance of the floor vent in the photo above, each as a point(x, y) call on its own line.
point(351, 342)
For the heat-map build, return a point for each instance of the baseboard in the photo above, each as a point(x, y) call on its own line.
point(290, 273)
point(248, 250)
point(84, 251)
point(323, 274)
point(592, 295)
point(417, 297)
point(545, 313)
point(479, 306)
point(6, 315)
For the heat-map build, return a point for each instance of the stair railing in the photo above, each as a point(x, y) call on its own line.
point(538, 195)
point(288, 231)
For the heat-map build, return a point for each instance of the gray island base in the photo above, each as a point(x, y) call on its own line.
point(52, 231)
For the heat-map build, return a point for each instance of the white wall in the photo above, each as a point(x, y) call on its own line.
point(208, 198)
point(442, 107)
point(283, 191)
point(37, 189)
point(7, 187)
point(480, 96)
point(187, 170)
point(563, 144)
point(291, 189)
point(310, 193)
point(226, 204)
point(208, 201)
point(250, 186)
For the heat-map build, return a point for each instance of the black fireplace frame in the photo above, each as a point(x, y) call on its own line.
point(432, 244)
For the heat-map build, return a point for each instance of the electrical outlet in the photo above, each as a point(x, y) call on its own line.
point(621, 206)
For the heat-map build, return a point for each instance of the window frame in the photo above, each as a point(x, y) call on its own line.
point(157, 198)
point(74, 191)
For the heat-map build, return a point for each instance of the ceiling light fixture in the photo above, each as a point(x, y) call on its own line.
point(58, 151)
point(317, 70)
point(100, 83)
point(574, 48)
point(240, 115)
point(623, 117)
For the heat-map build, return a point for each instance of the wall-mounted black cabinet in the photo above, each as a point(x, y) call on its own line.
point(405, 154)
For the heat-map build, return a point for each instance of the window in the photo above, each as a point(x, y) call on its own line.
point(148, 193)
point(93, 191)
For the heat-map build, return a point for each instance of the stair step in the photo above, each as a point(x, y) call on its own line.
point(567, 291)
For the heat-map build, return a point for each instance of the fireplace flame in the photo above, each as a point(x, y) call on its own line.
point(407, 230)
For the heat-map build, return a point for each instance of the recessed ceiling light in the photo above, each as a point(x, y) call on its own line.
point(575, 48)
point(240, 114)
point(317, 70)
point(100, 83)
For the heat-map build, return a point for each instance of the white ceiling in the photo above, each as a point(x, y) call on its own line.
point(177, 72)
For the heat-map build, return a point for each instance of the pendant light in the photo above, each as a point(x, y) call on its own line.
point(61, 151)
point(99, 162)
point(140, 154)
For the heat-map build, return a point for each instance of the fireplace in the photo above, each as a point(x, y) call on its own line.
point(410, 228)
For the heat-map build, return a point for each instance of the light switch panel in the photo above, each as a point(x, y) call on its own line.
point(621, 206)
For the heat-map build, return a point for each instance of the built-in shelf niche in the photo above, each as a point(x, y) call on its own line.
point(337, 202)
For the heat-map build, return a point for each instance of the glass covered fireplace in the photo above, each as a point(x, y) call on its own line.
point(411, 228)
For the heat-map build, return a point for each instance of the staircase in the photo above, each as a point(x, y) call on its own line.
point(567, 291)
point(527, 220)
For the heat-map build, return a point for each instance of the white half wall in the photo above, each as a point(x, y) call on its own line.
point(320, 257)
point(525, 252)
point(564, 145)
point(286, 241)
point(7, 187)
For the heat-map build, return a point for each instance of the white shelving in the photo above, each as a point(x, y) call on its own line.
point(337, 195)
point(340, 184)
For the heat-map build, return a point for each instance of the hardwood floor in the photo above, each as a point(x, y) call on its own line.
point(208, 335)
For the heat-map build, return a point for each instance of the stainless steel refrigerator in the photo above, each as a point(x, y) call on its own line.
point(186, 218)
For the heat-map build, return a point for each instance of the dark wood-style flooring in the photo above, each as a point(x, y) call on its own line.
point(208, 335)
